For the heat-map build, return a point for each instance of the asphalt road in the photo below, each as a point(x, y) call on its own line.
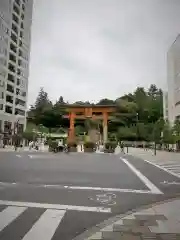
point(58, 196)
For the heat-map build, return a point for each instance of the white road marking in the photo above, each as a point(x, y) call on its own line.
point(30, 156)
point(144, 179)
point(107, 189)
point(19, 156)
point(9, 214)
point(46, 226)
point(54, 186)
point(55, 206)
point(162, 168)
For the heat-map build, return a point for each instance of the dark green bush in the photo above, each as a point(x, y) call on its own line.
point(90, 145)
point(110, 147)
point(53, 145)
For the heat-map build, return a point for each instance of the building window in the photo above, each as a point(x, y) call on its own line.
point(19, 62)
point(16, 9)
point(1, 107)
point(20, 43)
point(177, 103)
point(18, 2)
point(12, 57)
point(20, 52)
point(22, 16)
point(20, 102)
point(19, 71)
point(8, 109)
point(13, 37)
point(23, 7)
point(7, 126)
point(19, 112)
point(13, 48)
point(18, 82)
point(11, 68)
point(14, 28)
point(15, 18)
point(21, 34)
point(22, 25)
point(9, 99)
point(11, 78)
point(10, 88)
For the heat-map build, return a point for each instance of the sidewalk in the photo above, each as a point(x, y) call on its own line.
point(23, 149)
point(158, 222)
point(149, 154)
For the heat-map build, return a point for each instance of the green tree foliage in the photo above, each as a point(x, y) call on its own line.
point(138, 115)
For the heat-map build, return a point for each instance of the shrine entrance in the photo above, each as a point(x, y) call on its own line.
point(94, 112)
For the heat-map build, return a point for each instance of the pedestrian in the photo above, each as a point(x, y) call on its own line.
point(122, 146)
point(30, 145)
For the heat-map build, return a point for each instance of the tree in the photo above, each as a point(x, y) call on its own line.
point(138, 115)
point(126, 133)
point(42, 100)
point(168, 137)
point(105, 101)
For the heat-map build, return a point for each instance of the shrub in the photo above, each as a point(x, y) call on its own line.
point(53, 145)
point(89, 145)
point(110, 145)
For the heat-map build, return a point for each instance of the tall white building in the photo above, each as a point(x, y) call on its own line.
point(173, 80)
point(15, 36)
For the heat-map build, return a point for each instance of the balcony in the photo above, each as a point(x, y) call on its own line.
point(15, 18)
point(22, 16)
point(12, 57)
point(9, 99)
point(11, 78)
point(22, 25)
point(10, 88)
point(13, 48)
point(23, 7)
point(11, 67)
point(13, 37)
point(20, 102)
point(16, 9)
point(20, 43)
point(18, 82)
point(17, 2)
point(8, 109)
point(19, 62)
point(15, 28)
point(21, 34)
point(19, 71)
point(20, 53)
point(19, 112)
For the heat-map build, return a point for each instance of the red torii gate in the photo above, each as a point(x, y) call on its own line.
point(88, 111)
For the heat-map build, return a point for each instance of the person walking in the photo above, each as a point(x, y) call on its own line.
point(122, 147)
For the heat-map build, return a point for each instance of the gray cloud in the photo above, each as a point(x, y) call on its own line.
point(86, 50)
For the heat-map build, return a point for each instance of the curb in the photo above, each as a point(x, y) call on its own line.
point(88, 233)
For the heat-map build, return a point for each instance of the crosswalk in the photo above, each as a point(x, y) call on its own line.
point(27, 223)
point(170, 166)
point(43, 228)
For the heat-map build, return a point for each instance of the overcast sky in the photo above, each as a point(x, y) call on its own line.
point(92, 49)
